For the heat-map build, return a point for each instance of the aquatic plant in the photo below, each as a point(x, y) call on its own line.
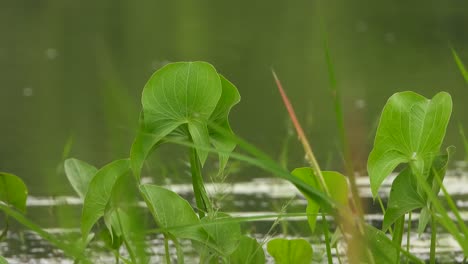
point(188, 104)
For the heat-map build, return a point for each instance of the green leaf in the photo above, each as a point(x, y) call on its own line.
point(3, 260)
point(79, 174)
point(294, 251)
point(225, 235)
point(403, 198)
point(411, 130)
point(13, 191)
point(99, 193)
point(249, 251)
point(182, 99)
point(221, 141)
point(460, 65)
point(172, 212)
point(336, 184)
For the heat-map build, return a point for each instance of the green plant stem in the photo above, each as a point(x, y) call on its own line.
point(408, 235)
point(166, 249)
point(201, 197)
point(327, 238)
point(398, 236)
point(433, 240)
point(382, 207)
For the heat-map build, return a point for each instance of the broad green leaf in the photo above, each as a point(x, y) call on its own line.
point(13, 191)
point(229, 97)
point(460, 65)
point(3, 260)
point(79, 174)
point(180, 93)
point(172, 211)
point(337, 186)
point(183, 99)
point(294, 251)
point(225, 235)
point(249, 251)
point(411, 130)
point(99, 193)
point(403, 198)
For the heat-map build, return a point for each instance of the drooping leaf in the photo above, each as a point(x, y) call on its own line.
point(403, 198)
point(13, 191)
point(229, 97)
point(290, 251)
point(99, 193)
point(249, 251)
point(226, 235)
point(172, 211)
point(411, 130)
point(79, 174)
point(337, 186)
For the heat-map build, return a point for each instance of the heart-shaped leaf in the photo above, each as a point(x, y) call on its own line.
point(13, 191)
point(184, 99)
point(79, 174)
point(99, 193)
point(411, 130)
point(294, 251)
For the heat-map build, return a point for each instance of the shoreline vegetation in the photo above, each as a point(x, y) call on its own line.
point(188, 104)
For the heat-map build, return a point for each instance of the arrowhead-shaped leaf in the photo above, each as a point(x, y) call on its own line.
point(183, 99)
point(411, 130)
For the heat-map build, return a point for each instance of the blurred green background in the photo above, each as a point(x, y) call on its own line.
point(71, 73)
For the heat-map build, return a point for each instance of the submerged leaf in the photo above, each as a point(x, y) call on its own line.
point(79, 174)
point(249, 251)
point(411, 130)
point(294, 251)
point(13, 191)
point(99, 193)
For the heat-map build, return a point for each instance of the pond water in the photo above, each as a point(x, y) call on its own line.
point(261, 197)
